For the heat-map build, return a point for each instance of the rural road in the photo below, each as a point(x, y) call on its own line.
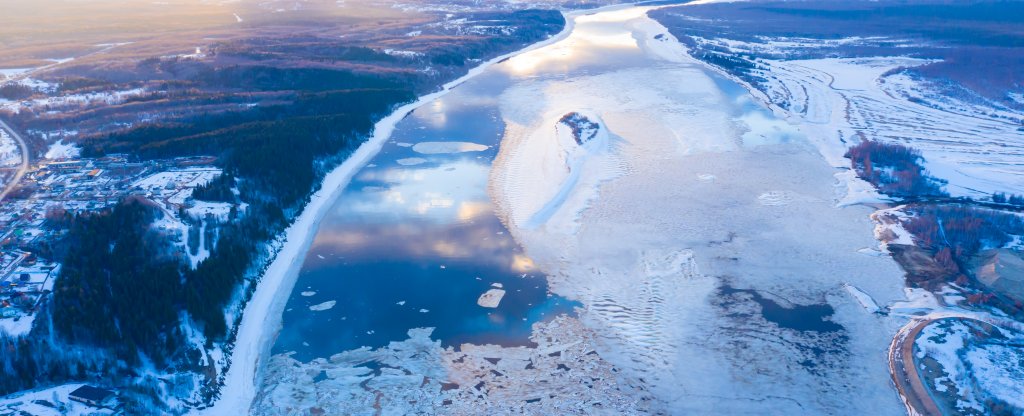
point(24, 160)
point(904, 372)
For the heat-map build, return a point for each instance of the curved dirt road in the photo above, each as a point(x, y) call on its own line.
point(904, 372)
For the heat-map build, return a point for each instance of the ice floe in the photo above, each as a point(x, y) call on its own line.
point(323, 306)
point(433, 148)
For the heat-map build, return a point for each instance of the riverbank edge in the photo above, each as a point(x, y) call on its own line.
point(262, 314)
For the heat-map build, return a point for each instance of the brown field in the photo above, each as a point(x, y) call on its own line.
point(31, 32)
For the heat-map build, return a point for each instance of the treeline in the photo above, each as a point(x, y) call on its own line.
point(894, 169)
point(15, 91)
point(1003, 198)
point(218, 190)
point(963, 229)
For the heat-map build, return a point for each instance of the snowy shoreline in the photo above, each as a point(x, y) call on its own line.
point(261, 319)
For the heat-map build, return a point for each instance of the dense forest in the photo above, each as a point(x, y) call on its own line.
point(117, 287)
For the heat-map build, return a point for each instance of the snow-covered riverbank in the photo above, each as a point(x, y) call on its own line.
point(261, 319)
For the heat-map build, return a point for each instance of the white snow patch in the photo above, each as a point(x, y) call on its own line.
point(61, 150)
point(10, 153)
point(17, 327)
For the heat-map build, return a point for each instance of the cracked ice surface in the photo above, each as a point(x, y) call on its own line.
point(651, 256)
point(561, 375)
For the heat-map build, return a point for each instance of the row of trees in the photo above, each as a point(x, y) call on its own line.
point(894, 169)
point(1003, 198)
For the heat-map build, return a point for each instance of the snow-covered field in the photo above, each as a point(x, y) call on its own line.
point(970, 369)
point(707, 193)
point(838, 102)
point(71, 100)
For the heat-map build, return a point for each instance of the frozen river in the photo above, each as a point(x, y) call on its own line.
point(696, 253)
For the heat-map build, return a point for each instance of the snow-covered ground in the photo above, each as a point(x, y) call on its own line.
point(969, 368)
point(16, 327)
point(48, 402)
point(61, 150)
point(10, 155)
point(838, 102)
point(550, 176)
point(707, 193)
point(71, 100)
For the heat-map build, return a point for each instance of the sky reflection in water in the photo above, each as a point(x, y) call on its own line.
point(415, 246)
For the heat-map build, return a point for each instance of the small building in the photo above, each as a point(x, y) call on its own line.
point(93, 396)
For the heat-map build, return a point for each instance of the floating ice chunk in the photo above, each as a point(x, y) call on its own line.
point(308, 293)
point(864, 299)
point(497, 285)
point(491, 298)
point(433, 148)
point(411, 161)
point(707, 177)
point(400, 303)
point(323, 306)
point(424, 310)
point(403, 144)
point(871, 251)
point(321, 256)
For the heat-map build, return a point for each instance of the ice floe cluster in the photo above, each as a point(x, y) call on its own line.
point(563, 374)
